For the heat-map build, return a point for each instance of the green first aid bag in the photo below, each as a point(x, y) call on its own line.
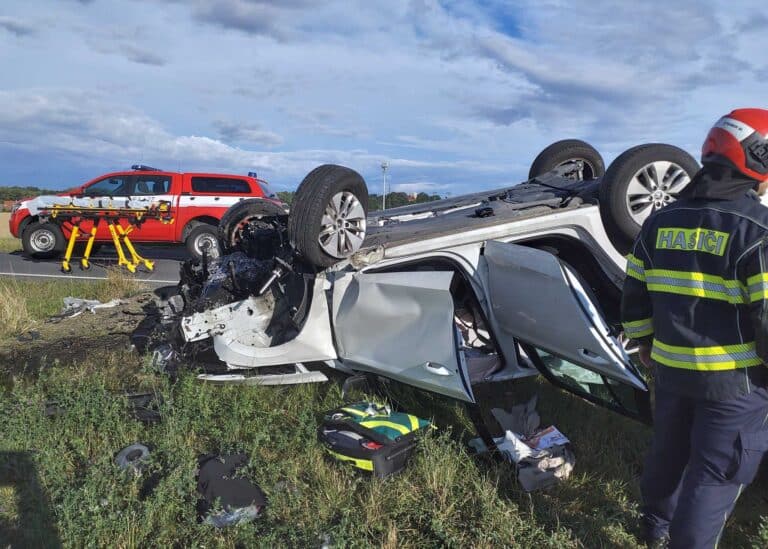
point(370, 437)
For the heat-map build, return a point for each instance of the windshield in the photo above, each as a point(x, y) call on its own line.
point(268, 192)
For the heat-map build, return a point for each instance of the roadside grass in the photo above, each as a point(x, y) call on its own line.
point(9, 244)
point(23, 302)
point(14, 312)
point(58, 481)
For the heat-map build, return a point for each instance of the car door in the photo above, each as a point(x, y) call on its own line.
point(150, 188)
point(540, 309)
point(112, 191)
point(401, 326)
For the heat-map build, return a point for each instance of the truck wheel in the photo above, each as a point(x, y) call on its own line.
point(203, 237)
point(328, 215)
point(43, 240)
point(250, 225)
point(581, 159)
point(640, 181)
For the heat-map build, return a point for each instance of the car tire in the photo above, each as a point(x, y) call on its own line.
point(201, 237)
point(43, 240)
point(565, 152)
point(237, 217)
point(327, 222)
point(641, 180)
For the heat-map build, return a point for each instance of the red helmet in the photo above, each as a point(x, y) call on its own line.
point(739, 140)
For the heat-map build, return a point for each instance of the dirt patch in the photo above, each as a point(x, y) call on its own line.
point(70, 340)
point(5, 231)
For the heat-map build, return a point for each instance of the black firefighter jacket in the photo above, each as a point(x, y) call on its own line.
point(697, 287)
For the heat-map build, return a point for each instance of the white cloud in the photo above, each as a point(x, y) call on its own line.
point(247, 133)
point(455, 93)
point(16, 26)
point(88, 125)
point(134, 44)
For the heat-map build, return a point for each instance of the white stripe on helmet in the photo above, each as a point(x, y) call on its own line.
point(737, 129)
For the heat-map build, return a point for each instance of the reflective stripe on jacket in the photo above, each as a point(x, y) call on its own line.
point(697, 287)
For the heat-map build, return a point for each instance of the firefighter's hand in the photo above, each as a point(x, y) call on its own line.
point(644, 353)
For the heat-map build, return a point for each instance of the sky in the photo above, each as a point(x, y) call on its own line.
point(456, 95)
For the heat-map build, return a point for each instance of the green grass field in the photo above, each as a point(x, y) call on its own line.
point(58, 483)
point(9, 244)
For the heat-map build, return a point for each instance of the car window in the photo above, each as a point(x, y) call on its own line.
point(266, 189)
point(591, 385)
point(220, 185)
point(116, 185)
point(151, 184)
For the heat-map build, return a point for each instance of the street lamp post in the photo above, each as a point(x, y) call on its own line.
point(384, 166)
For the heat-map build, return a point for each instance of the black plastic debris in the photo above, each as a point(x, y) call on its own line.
point(31, 335)
point(240, 499)
point(145, 407)
point(485, 211)
point(53, 409)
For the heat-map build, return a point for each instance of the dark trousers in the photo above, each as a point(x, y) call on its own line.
point(703, 455)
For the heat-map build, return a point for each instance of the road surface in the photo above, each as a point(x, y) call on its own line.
point(165, 272)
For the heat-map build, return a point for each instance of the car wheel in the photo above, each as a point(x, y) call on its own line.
point(581, 159)
point(43, 240)
point(203, 238)
point(328, 215)
point(248, 225)
point(640, 181)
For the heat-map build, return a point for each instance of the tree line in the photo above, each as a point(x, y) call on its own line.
point(17, 193)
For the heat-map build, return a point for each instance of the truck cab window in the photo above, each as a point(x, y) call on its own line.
point(220, 185)
point(146, 185)
point(109, 186)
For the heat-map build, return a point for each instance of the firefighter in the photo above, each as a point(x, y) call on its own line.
point(696, 300)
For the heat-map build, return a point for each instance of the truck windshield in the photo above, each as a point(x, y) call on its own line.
point(268, 192)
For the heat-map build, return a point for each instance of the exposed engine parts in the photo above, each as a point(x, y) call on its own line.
point(262, 284)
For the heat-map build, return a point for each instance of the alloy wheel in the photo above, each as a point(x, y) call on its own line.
point(342, 228)
point(209, 243)
point(42, 240)
point(654, 186)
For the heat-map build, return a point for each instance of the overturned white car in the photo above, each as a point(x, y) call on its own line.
point(443, 296)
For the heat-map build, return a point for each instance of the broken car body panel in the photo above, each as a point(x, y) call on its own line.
point(242, 343)
point(538, 300)
point(400, 325)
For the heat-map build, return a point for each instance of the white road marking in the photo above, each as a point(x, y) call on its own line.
point(85, 277)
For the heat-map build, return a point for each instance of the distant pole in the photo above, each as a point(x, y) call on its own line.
point(384, 166)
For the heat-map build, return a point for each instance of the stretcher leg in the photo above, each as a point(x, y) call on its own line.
point(65, 267)
point(85, 264)
point(135, 257)
point(121, 259)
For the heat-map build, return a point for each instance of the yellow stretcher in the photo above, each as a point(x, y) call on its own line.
point(93, 215)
